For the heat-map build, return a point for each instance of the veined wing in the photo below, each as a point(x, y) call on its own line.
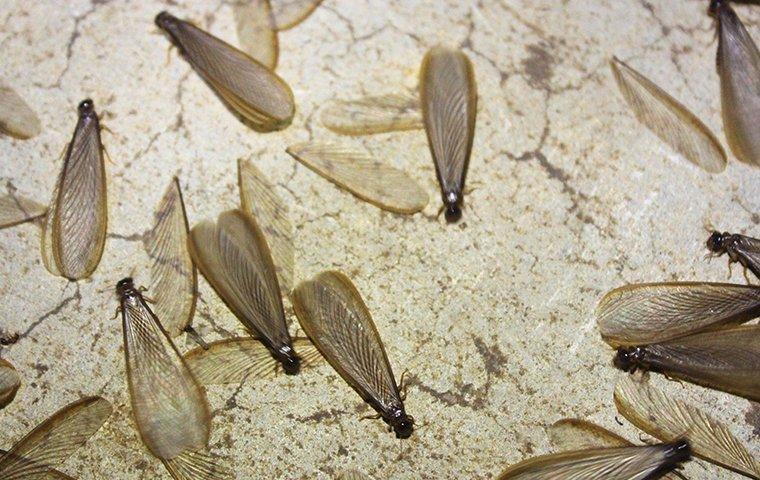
point(391, 112)
point(15, 209)
point(289, 13)
point(17, 118)
point(256, 31)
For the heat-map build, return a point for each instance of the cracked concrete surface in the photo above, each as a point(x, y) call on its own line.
point(568, 197)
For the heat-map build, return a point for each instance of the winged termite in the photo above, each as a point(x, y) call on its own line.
point(646, 313)
point(15, 209)
point(574, 434)
point(235, 360)
point(54, 440)
point(259, 200)
point(667, 118)
point(256, 31)
point(622, 463)
point(667, 418)
point(289, 13)
point(740, 248)
point(74, 232)
point(726, 360)
point(738, 62)
point(374, 114)
point(170, 408)
point(335, 318)
point(366, 177)
point(17, 119)
point(449, 98)
point(173, 283)
point(234, 257)
point(9, 383)
point(249, 88)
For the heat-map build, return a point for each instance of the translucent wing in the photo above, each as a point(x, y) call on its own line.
point(54, 440)
point(173, 284)
point(573, 434)
point(236, 360)
point(664, 116)
point(233, 256)
point(199, 465)
point(248, 87)
point(17, 119)
point(9, 383)
point(258, 199)
point(364, 176)
point(15, 210)
point(335, 318)
point(748, 251)
point(622, 463)
point(654, 312)
point(78, 211)
point(256, 31)
point(289, 13)
point(726, 360)
point(50, 475)
point(170, 408)
point(449, 102)
point(667, 418)
point(374, 114)
point(739, 71)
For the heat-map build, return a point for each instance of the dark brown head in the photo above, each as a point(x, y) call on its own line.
point(452, 202)
point(401, 423)
point(715, 7)
point(86, 108)
point(125, 286)
point(629, 359)
point(717, 242)
point(166, 21)
point(290, 362)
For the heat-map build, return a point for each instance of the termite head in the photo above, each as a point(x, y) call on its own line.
point(629, 359)
point(453, 210)
point(679, 452)
point(166, 20)
point(86, 108)
point(715, 7)
point(125, 286)
point(290, 362)
point(401, 423)
point(717, 242)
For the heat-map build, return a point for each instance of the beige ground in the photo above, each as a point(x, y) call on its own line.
point(568, 197)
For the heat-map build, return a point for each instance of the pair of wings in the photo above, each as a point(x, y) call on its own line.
point(248, 87)
point(258, 21)
point(170, 408)
point(74, 231)
point(335, 318)
point(50, 443)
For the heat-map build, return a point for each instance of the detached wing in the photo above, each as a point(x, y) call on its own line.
point(391, 112)
point(15, 210)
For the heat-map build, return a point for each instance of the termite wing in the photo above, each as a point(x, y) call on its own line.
point(10, 381)
point(15, 209)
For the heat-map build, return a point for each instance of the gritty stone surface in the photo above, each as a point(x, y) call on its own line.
point(568, 197)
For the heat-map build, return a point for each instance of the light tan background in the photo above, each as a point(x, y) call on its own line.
point(493, 317)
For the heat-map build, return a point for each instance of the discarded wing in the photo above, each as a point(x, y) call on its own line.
point(234, 257)
point(621, 463)
point(726, 360)
point(235, 360)
point(289, 13)
point(249, 88)
point(740, 248)
point(449, 101)
point(17, 119)
point(374, 114)
point(334, 316)
point(256, 31)
point(170, 408)
point(667, 418)
point(15, 210)
point(739, 72)
point(574, 434)
point(173, 285)
point(54, 440)
point(358, 172)
point(664, 116)
point(74, 232)
point(259, 200)
point(646, 313)
point(9, 383)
